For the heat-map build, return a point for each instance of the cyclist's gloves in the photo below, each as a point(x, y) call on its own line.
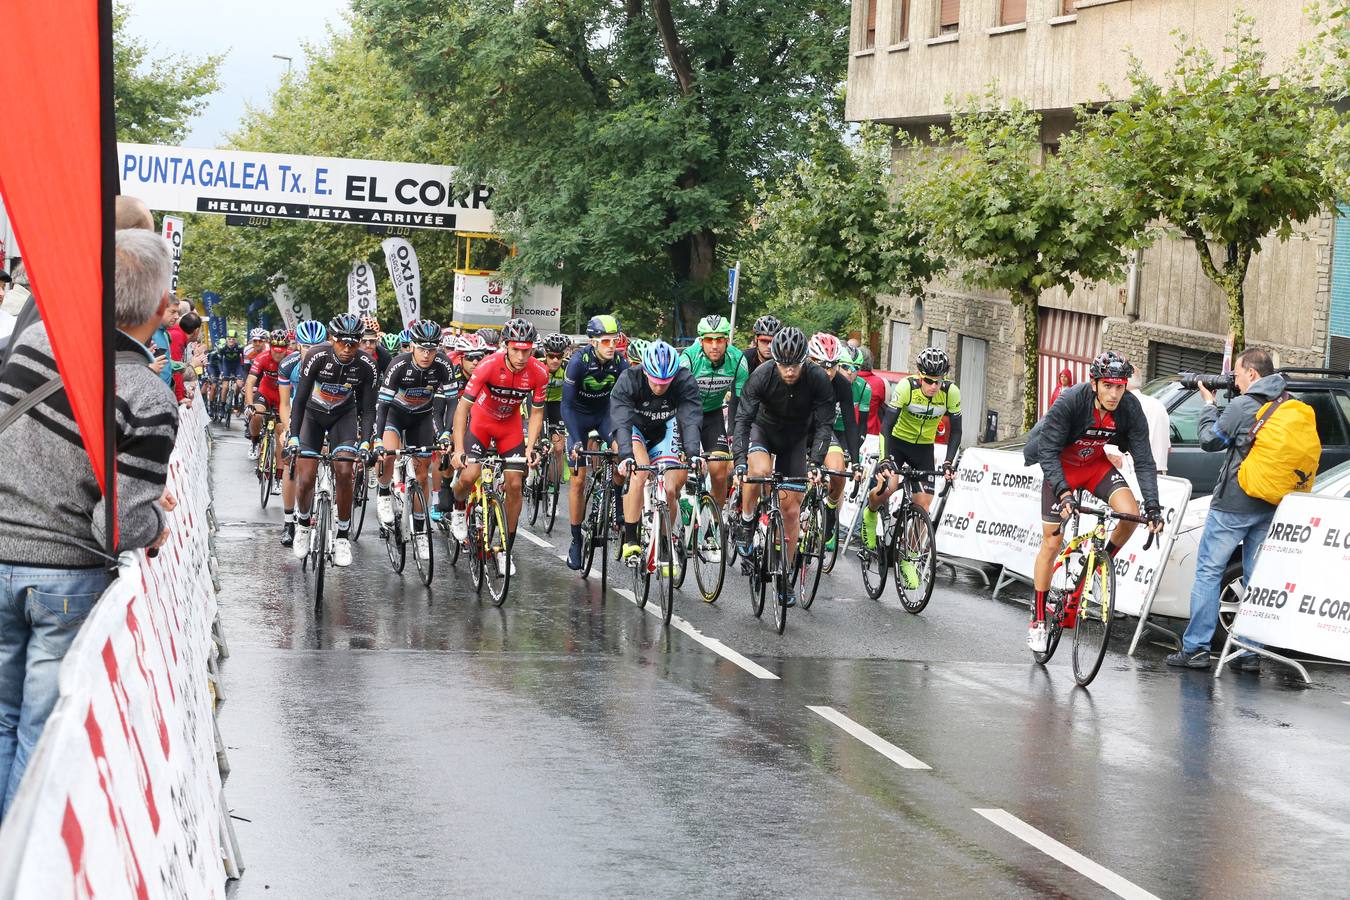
point(626, 466)
point(443, 437)
point(1153, 512)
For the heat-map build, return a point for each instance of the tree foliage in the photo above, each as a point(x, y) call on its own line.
point(1009, 217)
point(622, 139)
point(155, 95)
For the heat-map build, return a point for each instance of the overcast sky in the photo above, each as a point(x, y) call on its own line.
point(250, 30)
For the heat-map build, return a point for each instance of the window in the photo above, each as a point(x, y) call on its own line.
point(949, 16)
point(900, 22)
point(898, 347)
point(1166, 360)
point(937, 338)
point(1186, 418)
point(1014, 12)
point(1330, 427)
point(870, 37)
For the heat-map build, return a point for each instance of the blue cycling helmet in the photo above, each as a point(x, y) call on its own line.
point(599, 325)
point(405, 336)
point(310, 332)
point(660, 361)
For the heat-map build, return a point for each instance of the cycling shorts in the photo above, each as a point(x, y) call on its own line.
point(413, 429)
point(487, 433)
point(716, 441)
point(232, 369)
point(660, 442)
point(916, 456)
point(1103, 488)
point(597, 422)
point(552, 413)
point(339, 428)
point(789, 454)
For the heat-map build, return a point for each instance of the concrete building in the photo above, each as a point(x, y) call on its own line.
point(909, 56)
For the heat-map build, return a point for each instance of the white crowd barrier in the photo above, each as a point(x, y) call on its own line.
point(993, 515)
point(1296, 598)
point(123, 795)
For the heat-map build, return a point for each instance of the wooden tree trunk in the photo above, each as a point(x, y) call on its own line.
point(1030, 306)
point(1231, 279)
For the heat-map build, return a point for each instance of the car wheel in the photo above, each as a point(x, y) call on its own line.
point(1230, 595)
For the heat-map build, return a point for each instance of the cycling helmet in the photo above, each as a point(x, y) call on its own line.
point(473, 344)
point(713, 325)
point(660, 362)
point(520, 333)
point(390, 341)
point(290, 335)
point(370, 324)
point(823, 348)
point(933, 362)
point(258, 334)
point(425, 334)
point(637, 347)
point(278, 338)
point(768, 325)
point(344, 327)
point(1111, 367)
point(599, 325)
point(556, 343)
point(491, 336)
point(788, 347)
point(405, 337)
point(310, 332)
point(232, 334)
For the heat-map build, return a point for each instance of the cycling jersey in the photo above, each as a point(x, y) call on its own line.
point(414, 391)
point(213, 365)
point(716, 381)
point(792, 413)
point(918, 417)
point(845, 424)
point(498, 392)
point(290, 369)
point(585, 397)
point(329, 386)
point(231, 361)
point(635, 407)
point(553, 393)
point(381, 357)
point(265, 370)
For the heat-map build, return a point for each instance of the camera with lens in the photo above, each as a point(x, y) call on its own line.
point(1215, 383)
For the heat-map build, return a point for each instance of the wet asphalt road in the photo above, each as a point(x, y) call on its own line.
point(419, 743)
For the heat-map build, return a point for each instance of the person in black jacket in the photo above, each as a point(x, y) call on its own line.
point(1069, 444)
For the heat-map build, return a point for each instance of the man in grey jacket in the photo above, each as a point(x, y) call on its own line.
point(53, 564)
point(1235, 518)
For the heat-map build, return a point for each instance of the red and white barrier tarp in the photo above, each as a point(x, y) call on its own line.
point(123, 796)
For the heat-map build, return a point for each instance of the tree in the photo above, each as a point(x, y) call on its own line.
point(1222, 151)
point(1011, 218)
point(622, 139)
point(156, 96)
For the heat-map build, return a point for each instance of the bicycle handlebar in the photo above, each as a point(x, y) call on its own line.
point(1106, 514)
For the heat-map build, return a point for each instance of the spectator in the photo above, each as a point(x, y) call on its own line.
point(1234, 517)
point(1064, 380)
point(53, 565)
point(133, 213)
point(183, 332)
point(1159, 429)
point(878, 386)
point(162, 346)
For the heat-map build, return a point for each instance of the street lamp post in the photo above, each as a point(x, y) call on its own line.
point(288, 60)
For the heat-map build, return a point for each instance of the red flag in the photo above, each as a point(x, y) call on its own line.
point(54, 176)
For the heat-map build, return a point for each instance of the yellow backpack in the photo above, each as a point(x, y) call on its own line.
point(1285, 450)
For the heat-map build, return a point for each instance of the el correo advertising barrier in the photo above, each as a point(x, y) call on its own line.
point(316, 188)
point(481, 300)
point(1297, 598)
point(172, 230)
point(361, 289)
point(993, 515)
point(541, 306)
point(401, 260)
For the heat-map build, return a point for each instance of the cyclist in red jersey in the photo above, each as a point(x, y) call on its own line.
point(498, 387)
point(261, 390)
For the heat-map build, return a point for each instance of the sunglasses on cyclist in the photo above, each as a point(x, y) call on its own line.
point(428, 346)
point(926, 380)
point(607, 341)
point(553, 355)
point(475, 355)
point(345, 342)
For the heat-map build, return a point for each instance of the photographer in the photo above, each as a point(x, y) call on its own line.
point(1234, 516)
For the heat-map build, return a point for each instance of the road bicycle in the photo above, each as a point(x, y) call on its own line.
point(702, 539)
point(324, 519)
point(1082, 595)
point(487, 544)
point(658, 560)
point(767, 565)
point(812, 538)
point(223, 403)
point(268, 470)
point(905, 543)
point(407, 494)
point(544, 485)
point(360, 495)
point(597, 526)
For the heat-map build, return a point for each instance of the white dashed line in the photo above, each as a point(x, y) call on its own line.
point(879, 744)
point(1070, 857)
point(533, 538)
point(711, 643)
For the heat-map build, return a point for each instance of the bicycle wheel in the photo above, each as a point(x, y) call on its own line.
point(831, 556)
point(777, 580)
point(319, 539)
point(425, 567)
point(679, 558)
point(916, 547)
point(758, 580)
point(874, 565)
point(665, 566)
point(394, 537)
point(360, 494)
point(475, 546)
point(266, 470)
point(229, 412)
point(1096, 608)
point(534, 493)
point(810, 556)
point(592, 532)
point(554, 488)
point(1064, 581)
point(497, 555)
point(452, 544)
point(709, 549)
point(642, 570)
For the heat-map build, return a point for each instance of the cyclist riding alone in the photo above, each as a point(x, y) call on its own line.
point(260, 390)
point(589, 379)
point(651, 405)
point(1070, 443)
point(721, 374)
point(825, 350)
point(759, 351)
point(308, 334)
point(909, 427)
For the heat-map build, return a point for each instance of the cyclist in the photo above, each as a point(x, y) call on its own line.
point(824, 350)
point(555, 348)
point(469, 350)
point(260, 388)
point(257, 344)
point(652, 406)
point(372, 346)
point(633, 350)
point(410, 411)
point(500, 384)
point(491, 337)
point(785, 419)
point(336, 388)
point(308, 334)
point(231, 365)
point(1069, 443)
point(405, 340)
point(210, 378)
point(721, 374)
point(590, 376)
point(759, 350)
point(909, 424)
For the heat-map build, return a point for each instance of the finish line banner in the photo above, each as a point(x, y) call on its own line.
point(993, 515)
point(313, 188)
point(1297, 598)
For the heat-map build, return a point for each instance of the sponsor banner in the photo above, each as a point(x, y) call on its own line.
point(173, 233)
point(247, 185)
point(361, 289)
point(481, 300)
point(123, 794)
point(993, 515)
point(215, 324)
point(292, 310)
point(1296, 598)
point(401, 259)
point(540, 304)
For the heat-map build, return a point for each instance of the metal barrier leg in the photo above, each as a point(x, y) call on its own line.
point(229, 843)
point(1226, 657)
point(956, 562)
point(1008, 577)
point(222, 761)
point(218, 635)
point(213, 676)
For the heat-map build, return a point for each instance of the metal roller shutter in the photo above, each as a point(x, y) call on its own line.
point(949, 15)
point(1166, 360)
point(1068, 340)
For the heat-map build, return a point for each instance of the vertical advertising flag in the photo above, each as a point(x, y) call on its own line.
point(402, 261)
point(361, 289)
point(173, 233)
point(292, 310)
point(215, 323)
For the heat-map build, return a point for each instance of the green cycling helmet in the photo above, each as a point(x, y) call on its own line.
point(713, 325)
point(637, 347)
point(853, 356)
point(390, 341)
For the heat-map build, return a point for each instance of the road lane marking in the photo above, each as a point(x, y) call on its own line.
point(534, 538)
point(1068, 856)
point(711, 643)
point(868, 737)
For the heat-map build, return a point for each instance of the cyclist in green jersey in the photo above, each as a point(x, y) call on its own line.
point(850, 361)
point(909, 425)
point(721, 373)
point(555, 348)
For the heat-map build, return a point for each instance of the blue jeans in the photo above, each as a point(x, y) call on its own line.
point(41, 611)
point(1224, 531)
